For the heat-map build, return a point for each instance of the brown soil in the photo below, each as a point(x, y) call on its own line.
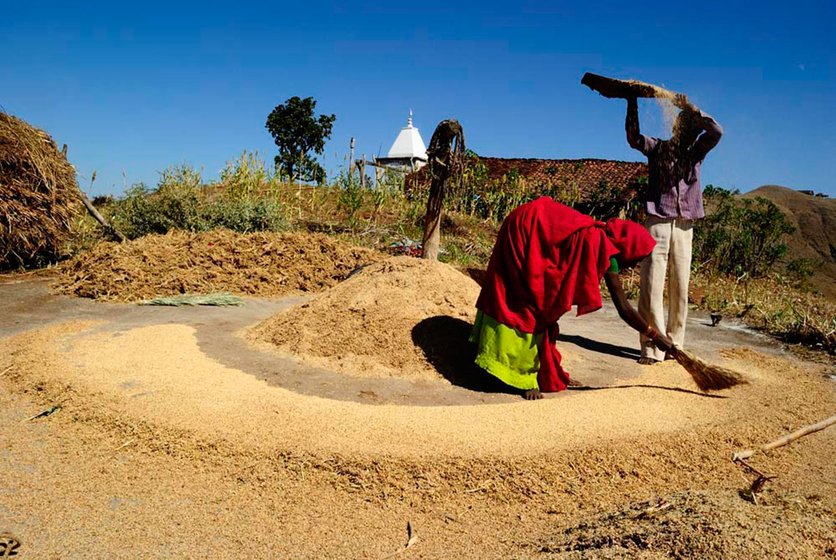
point(260, 264)
point(384, 321)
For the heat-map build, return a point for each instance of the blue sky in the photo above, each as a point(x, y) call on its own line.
point(135, 87)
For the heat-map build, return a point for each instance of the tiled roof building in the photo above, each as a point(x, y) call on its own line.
point(494, 186)
point(586, 174)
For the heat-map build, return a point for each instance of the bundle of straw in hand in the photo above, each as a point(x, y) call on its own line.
point(708, 377)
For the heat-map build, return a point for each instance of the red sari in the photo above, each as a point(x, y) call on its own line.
point(547, 258)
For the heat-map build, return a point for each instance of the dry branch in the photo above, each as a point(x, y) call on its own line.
point(109, 229)
point(789, 438)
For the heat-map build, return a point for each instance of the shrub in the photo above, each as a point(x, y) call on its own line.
point(174, 204)
point(800, 271)
point(136, 214)
point(245, 200)
point(739, 236)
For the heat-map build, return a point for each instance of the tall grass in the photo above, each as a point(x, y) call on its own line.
point(479, 195)
point(773, 305)
point(245, 199)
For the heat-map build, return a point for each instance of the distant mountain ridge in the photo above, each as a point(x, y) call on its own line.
point(814, 218)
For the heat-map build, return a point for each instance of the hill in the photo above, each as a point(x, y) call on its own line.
point(815, 237)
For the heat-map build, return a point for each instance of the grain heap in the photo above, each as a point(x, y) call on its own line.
point(381, 322)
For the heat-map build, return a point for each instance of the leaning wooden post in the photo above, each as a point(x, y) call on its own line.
point(109, 229)
point(446, 158)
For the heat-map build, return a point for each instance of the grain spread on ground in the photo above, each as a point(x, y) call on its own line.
point(384, 321)
point(255, 264)
point(172, 442)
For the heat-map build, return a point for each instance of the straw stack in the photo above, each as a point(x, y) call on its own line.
point(39, 196)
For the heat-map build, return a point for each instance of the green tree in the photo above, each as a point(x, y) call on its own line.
point(297, 133)
point(739, 235)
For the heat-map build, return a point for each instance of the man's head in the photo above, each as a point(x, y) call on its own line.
point(686, 127)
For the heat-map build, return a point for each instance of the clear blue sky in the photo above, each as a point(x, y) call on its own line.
point(135, 87)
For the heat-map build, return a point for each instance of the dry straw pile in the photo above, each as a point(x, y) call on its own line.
point(39, 195)
point(255, 264)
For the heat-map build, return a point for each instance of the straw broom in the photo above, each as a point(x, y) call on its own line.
point(708, 377)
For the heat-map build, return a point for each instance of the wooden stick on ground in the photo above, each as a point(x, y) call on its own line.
point(743, 455)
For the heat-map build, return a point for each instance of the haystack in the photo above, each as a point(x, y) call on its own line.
point(39, 195)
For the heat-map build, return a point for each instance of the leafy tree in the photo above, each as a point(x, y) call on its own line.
point(297, 132)
point(739, 235)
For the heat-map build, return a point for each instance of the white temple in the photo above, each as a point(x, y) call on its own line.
point(408, 151)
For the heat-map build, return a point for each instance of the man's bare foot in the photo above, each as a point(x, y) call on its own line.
point(647, 361)
point(575, 383)
point(532, 395)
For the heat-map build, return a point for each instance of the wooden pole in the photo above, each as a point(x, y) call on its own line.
point(351, 157)
point(109, 229)
point(446, 158)
point(363, 172)
point(789, 438)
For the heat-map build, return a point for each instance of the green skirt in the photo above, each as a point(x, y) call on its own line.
point(506, 353)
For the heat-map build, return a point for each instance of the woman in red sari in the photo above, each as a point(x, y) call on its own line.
point(548, 258)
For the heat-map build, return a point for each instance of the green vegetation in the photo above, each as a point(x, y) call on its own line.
point(739, 235)
point(481, 196)
point(297, 133)
point(246, 199)
point(736, 248)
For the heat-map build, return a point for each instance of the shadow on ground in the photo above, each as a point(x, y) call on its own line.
point(444, 341)
point(600, 347)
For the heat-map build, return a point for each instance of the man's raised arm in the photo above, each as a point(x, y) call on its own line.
point(634, 136)
point(712, 132)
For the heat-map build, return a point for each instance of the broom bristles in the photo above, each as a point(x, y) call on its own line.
point(708, 377)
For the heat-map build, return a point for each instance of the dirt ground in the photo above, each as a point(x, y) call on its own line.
point(176, 437)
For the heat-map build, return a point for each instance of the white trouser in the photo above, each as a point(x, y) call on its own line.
point(673, 247)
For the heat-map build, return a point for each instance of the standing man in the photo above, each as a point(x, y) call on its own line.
point(673, 201)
